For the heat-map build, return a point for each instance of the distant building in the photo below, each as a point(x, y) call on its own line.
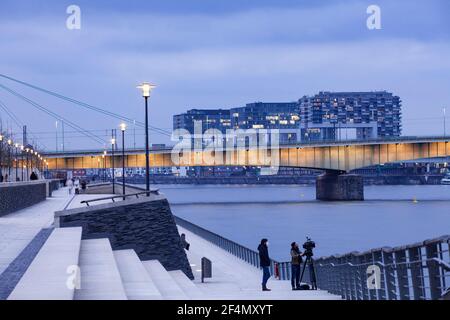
point(324, 116)
point(211, 119)
point(330, 115)
point(283, 116)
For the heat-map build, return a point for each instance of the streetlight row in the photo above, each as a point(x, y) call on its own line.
point(23, 150)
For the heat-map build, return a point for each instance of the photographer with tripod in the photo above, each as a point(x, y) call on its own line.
point(309, 245)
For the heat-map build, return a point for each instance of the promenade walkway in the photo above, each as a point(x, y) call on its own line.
point(236, 279)
point(17, 229)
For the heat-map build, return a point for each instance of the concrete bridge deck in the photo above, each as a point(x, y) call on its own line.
point(333, 155)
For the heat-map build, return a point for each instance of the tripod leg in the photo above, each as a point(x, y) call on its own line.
point(303, 271)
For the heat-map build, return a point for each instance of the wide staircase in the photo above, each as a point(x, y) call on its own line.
point(69, 268)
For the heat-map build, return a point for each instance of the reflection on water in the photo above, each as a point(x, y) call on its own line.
point(391, 215)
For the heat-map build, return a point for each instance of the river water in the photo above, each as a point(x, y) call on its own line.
point(390, 216)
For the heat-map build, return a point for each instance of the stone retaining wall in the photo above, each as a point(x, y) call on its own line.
point(145, 225)
point(19, 195)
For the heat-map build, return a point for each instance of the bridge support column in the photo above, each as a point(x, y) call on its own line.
point(335, 186)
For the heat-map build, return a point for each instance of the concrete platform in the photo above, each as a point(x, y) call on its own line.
point(235, 279)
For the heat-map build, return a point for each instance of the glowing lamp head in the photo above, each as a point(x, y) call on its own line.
point(1, 137)
point(123, 126)
point(22, 148)
point(113, 141)
point(146, 89)
point(9, 141)
point(16, 145)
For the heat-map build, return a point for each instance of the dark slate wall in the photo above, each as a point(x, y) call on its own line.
point(14, 197)
point(147, 227)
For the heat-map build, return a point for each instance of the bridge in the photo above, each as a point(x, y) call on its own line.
point(336, 158)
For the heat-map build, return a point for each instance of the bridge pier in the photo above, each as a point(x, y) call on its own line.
point(338, 186)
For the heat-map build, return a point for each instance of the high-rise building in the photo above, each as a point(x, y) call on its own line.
point(324, 116)
point(283, 116)
point(367, 115)
point(210, 119)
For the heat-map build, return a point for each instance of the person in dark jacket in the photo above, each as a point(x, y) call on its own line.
point(33, 176)
point(296, 261)
point(264, 261)
point(184, 242)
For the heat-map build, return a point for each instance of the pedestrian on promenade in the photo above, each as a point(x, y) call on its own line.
point(70, 185)
point(264, 261)
point(296, 261)
point(184, 243)
point(33, 176)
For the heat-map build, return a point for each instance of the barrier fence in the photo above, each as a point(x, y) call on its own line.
point(419, 271)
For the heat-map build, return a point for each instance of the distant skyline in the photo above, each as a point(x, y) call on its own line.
point(220, 54)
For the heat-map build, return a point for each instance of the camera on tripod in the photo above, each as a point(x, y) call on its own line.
point(309, 245)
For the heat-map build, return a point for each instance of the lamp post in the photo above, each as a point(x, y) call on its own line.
point(9, 158)
point(123, 127)
point(27, 150)
point(104, 165)
point(17, 161)
point(445, 132)
point(146, 90)
point(1, 164)
point(21, 158)
point(113, 142)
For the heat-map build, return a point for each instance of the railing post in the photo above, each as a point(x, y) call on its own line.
point(390, 274)
point(434, 276)
point(370, 261)
point(415, 261)
point(402, 273)
point(378, 260)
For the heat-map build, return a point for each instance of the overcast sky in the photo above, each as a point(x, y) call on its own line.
point(215, 53)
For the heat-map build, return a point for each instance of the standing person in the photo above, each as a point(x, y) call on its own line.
point(70, 185)
point(264, 261)
point(184, 243)
point(296, 261)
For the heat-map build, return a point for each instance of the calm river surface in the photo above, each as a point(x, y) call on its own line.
point(390, 216)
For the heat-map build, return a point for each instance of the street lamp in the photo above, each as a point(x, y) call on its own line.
point(17, 161)
point(9, 158)
point(123, 127)
point(1, 148)
point(113, 143)
point(146, 90)
point(443, 111)
point(21, 158)
point(104, 165)
point(27, 151)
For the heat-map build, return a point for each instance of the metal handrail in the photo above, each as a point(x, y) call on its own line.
point(121, 196)
point(406, 272)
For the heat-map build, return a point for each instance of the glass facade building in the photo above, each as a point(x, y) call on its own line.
point(324, 116)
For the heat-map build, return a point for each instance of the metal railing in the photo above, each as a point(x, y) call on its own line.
point(248, 255)
point(414, 272)
point(123, 197)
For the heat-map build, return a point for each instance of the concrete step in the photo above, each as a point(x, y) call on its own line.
point(49, 274)
point(169, 289)
point(137, 282)
point(100, 277)
point(188, 287)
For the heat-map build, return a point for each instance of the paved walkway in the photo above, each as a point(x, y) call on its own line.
point(235, 279)
point(17, 229)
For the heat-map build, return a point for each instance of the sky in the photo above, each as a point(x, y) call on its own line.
point(217, 54)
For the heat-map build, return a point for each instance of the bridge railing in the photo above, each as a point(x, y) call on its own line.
point(414, 272)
